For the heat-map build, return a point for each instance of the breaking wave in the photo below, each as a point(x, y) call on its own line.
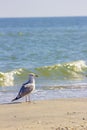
point(69, 71)
point(7, 79)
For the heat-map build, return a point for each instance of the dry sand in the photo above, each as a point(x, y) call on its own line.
point(61, 114)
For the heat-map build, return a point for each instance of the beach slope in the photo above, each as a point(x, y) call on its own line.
point(61, 114)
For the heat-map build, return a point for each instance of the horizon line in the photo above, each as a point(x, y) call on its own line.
point(44, 16)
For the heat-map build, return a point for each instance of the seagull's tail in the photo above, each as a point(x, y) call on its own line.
point(15, 99)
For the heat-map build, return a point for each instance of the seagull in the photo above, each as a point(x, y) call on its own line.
point(27, 87)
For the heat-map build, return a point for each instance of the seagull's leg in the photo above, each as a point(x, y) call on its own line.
point(29, 98)
point(25, 98)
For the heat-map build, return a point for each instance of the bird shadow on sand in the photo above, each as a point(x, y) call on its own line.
point(13, 103)
point(7, 103)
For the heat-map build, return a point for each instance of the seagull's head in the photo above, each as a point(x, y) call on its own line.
point(33, 75)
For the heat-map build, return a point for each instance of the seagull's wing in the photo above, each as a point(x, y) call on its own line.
point(26, 88)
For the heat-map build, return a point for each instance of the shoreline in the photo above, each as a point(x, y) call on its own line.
point(56, 114)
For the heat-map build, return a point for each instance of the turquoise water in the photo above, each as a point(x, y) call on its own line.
point(54, 48)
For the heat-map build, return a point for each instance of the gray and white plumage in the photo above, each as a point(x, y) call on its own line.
point(27, 87)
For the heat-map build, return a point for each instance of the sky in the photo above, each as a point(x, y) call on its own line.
point(42, 8)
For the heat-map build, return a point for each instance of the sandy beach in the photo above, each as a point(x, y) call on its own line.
point(60, 114)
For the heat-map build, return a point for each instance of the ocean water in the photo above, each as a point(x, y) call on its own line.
point(54, 48)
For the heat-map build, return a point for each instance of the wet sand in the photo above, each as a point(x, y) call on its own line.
point(60, 114)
